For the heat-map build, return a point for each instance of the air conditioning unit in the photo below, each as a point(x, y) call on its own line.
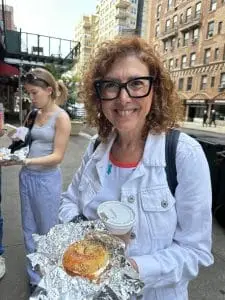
point(210, 33)
point(221, 87)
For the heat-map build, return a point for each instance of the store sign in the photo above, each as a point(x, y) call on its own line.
point(219, 101)
point(196, 101)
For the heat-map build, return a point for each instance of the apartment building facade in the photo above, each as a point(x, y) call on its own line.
point(9, 17)
point(190, 37)
point(85, 33)
point(112, 18)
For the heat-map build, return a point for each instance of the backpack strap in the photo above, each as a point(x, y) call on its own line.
point(96, 143)
point(170, 151)
point(31, 119)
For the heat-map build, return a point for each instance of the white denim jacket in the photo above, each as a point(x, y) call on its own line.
point(173, 234)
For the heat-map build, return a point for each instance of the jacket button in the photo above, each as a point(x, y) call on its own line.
point(164, 203)
point(132, 235)
point(131, 199)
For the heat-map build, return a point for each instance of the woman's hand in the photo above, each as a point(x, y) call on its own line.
point(125, 237)
point(8, 163)
point(133, 263)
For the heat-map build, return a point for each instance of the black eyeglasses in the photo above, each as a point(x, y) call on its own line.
point(30, 78)
point(138, 87)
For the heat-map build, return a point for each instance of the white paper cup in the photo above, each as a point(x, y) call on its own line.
point(118, 217)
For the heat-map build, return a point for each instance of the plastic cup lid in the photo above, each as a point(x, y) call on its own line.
point(115, 212)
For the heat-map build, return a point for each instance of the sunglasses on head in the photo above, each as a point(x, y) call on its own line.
point(30, 78)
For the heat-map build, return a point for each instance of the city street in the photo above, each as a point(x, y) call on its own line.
point(210, 285)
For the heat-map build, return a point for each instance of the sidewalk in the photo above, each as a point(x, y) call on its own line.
point(198, 126)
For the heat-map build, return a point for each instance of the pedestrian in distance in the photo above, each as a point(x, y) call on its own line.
point(212, 118)
point(205, 117)
point(131, 99)
point(40, 180)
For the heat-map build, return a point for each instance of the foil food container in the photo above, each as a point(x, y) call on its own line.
point(17, 156)
point(118, 282)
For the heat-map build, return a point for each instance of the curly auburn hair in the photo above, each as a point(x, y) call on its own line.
point(166, 110)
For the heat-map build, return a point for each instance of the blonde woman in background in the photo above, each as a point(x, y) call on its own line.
point(40, 179)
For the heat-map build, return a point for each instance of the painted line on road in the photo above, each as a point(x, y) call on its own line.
point(86, 135)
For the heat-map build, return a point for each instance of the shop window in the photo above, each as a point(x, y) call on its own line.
point(189, 83)
point(203, 83)
point(180, 84)
point(207, 56)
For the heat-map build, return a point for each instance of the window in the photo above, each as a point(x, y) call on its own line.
point(181, 84)
point(198, 9)
point(181, 18)
point(169, 4)
point(176, 62)
point(189, 83)
point(167, 25)
point(212, 81)
point(158, 12)
point(212, 5)
point(175, 21)
point(166, 45)
point(203, 82)
point(192, 59)
point(183, 61)
point(222, 80)
point(157, 30)
point(220, 24)
point(171, 64)
point(188, 14)
point(207, 56)
point(173, 43)
point(195, 35)
point(210, 29)
point(186, 39)
point(216, 53)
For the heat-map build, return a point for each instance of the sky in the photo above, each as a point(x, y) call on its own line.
point(50, 17)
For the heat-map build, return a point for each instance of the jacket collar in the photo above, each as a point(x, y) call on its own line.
point(154, 154)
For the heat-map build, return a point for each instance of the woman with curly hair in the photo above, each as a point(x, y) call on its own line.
point(131, 99)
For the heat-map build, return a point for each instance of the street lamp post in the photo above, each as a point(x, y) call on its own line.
point(20, 94)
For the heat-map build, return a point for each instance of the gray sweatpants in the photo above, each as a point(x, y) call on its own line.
point(40, 194)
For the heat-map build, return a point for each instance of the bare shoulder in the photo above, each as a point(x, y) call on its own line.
point(63, 117)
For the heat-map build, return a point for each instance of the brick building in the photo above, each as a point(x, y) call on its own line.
point(190, 37)
point(9, 17)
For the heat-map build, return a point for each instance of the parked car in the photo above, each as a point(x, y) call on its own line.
point(75, 110)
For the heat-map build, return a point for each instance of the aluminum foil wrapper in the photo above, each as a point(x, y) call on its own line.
point(118, 282)
point(17, 156)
